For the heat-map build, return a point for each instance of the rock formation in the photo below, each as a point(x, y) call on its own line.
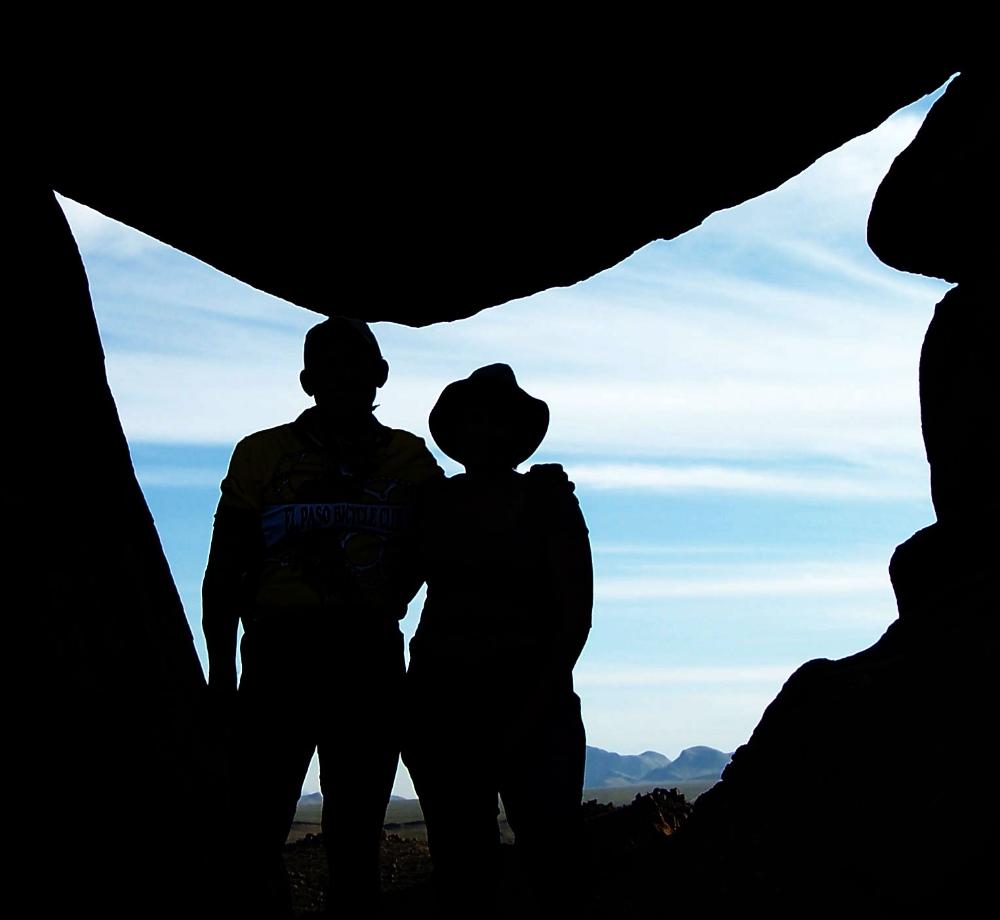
point(551, 178)
point(562, 166)
point(113, 713)
point(929, 680)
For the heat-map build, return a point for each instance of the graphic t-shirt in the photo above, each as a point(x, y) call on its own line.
point(336, 520)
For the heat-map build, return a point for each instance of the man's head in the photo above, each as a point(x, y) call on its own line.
point(342, 366)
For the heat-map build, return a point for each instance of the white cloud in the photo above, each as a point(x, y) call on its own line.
point(654, 677)
point(173, 398)
point(766, 352)
point(177, 477)
point(648, 477)
point(834, 194)
point(757, 335)
point(819, 579)
point(675, 549)
point(98, 235)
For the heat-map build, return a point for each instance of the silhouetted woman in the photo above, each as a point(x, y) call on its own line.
point(492, 710)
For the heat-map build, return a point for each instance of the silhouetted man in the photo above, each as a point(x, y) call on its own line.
point(312, 550)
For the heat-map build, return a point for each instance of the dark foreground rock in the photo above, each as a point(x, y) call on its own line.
point(930, 681)
point(772, 841)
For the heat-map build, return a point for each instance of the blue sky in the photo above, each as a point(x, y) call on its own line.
point(738, 408)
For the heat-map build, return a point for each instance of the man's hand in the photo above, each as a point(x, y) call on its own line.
point(552, 475)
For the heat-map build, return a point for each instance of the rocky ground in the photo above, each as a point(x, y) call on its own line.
point(621, 839)
point(406, 869)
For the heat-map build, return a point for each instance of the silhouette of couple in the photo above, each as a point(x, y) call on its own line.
point(325, 531)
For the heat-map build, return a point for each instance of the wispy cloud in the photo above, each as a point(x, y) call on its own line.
point(178, 477)
point(623, 676)
point(647, 477)
point(99, 235)
point(762, 334)
point(182, 399)
point(641, 550)
point(829, 198)
point(766, 353)
point(819, 579)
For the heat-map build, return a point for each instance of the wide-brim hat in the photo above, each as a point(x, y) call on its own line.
point(494, 390)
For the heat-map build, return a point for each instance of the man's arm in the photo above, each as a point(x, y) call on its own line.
point(235, 546)
point(427, 477)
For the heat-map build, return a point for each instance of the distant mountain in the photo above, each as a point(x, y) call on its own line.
point(608, 770)
point(692, 763)
point(605, 769)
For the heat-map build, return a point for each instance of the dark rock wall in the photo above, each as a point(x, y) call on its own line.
point(541, 184)
point(113, 736)
point(935, 212)
point(959, 387)
point(834, 836)
point(423, 203)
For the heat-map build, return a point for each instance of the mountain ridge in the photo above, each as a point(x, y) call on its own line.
point(610, 770)
point(607, 769)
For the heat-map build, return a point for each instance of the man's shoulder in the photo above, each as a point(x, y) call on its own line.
point(401, 439)
point(277, 438)
point(256, 455)
point(407, 455)
point(550, 490)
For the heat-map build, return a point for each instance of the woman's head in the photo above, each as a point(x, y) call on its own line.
point(487, 420)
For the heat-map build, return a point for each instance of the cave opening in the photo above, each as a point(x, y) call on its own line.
point(738, 408)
